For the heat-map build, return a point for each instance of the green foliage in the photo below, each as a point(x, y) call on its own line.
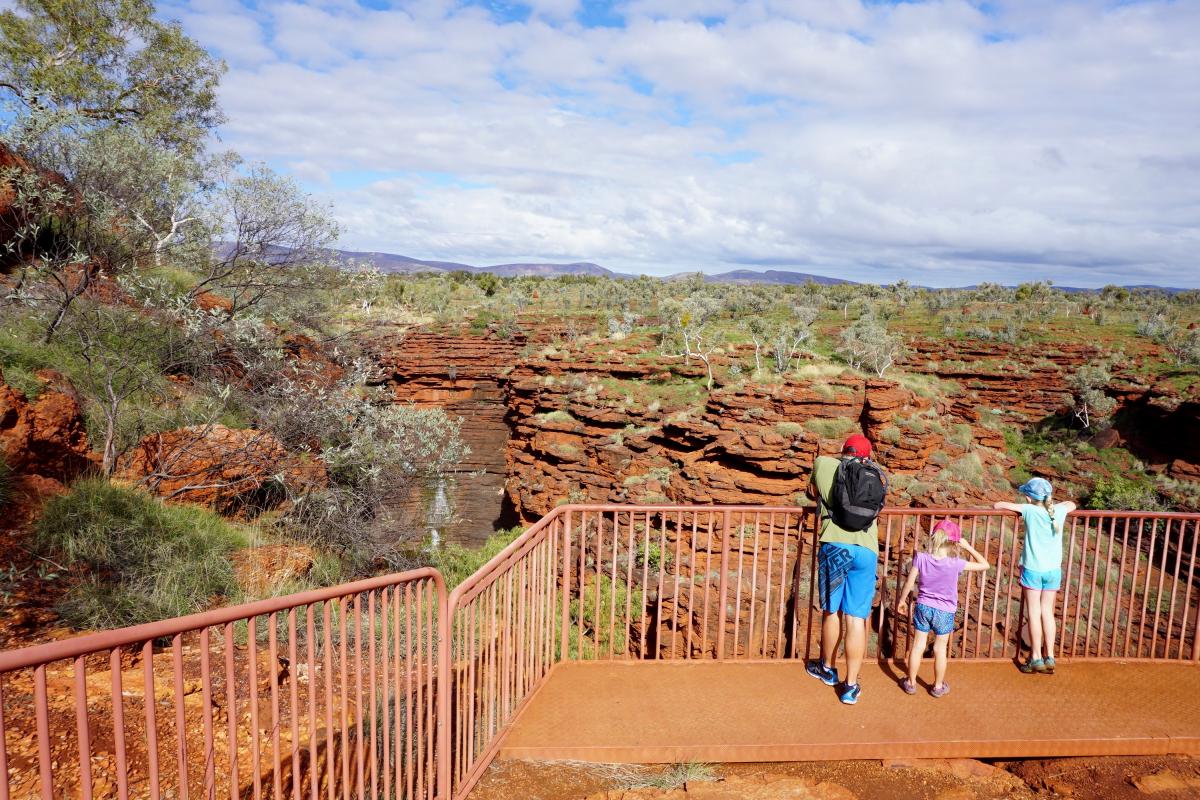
point(868, 345)
point(110, 62)
point(831, 428)
point(651, 556)
point(676, 777)
point(1135, 492)
point(457, 563)
point(599, 617)
point(968, 469)
point(6, 482)
point(140, 559)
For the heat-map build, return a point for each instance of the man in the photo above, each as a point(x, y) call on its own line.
point(846, 560)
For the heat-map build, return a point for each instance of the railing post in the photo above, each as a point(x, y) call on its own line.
point(443, 692)
point(724, 584)
point(564, 634)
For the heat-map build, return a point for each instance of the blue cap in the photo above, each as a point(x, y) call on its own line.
point(1036, 488)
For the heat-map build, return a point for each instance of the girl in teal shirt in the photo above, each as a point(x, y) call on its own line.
point(1041, 567)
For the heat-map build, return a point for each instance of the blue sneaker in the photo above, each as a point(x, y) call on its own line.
point(826, 675)
point(849, 694)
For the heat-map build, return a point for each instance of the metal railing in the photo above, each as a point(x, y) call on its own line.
point(391, 688)
point(320, 694)
point(738, 583)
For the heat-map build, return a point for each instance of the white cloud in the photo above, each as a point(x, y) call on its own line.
point(931, 140)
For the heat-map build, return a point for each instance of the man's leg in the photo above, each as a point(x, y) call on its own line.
point(860, 591)
point(831, 637)
point(856, 647)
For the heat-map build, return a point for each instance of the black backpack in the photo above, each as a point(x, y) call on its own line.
point(858, 493)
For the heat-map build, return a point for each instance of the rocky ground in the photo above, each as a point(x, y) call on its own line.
point(1163, 778)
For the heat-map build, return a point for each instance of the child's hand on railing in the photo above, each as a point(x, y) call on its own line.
point(902, 606)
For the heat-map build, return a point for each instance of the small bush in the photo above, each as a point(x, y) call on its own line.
point(968, 469)
point(457, 563)
point(678, 776)
point(143, 560)
point(6, 482)
point(831, 428)
point(788, 429)
point(1122, 493)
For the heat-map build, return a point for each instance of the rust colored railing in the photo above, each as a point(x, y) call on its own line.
point(325, 694)
point(391, 688)
point(738, 583)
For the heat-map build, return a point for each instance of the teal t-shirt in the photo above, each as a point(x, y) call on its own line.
point(1043, 547)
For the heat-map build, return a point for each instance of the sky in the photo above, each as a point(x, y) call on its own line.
point(945, 143)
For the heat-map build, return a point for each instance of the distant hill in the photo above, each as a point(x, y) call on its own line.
point(395, 263)
point(391, 262)
point(768, 276)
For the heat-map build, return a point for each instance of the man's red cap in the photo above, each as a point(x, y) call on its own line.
point(857, 445)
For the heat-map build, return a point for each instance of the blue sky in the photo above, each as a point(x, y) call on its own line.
point(942, 142)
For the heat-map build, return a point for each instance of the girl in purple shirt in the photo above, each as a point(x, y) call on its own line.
point(937, 568)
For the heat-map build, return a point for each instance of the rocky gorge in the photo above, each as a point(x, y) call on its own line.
point(615, 422)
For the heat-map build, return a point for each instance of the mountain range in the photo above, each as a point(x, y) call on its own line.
point(394, 263)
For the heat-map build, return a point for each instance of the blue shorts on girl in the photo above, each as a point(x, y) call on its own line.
point(928, 619)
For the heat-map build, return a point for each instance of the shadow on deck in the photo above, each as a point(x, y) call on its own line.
point(772, 711)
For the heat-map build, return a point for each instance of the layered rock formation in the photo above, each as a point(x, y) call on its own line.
point(466, 374)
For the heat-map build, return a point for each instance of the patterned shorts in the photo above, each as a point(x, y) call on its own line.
point(927, 618)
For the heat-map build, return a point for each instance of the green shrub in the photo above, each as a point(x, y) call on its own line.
point(1123, 493)
point(968, 469)
point(143, 560)
point(600, 621)
point(676, 777)
point(831, 428)
point(6, 482)
point(457, 563)
point(788, 429)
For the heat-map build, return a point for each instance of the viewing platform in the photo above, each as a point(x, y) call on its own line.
point(773, 711)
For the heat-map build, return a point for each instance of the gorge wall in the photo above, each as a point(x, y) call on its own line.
point(615, 424)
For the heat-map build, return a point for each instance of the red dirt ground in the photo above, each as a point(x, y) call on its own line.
point(1113, 778)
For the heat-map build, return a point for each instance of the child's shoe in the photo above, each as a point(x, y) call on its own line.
point(940, 691)
point(1032, 666)
point(849, 694)
point(908, 686)
point(1047, 667)
point(826, 675)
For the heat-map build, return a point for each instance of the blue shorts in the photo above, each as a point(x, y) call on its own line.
point(928, 618)
point(846, 578)
point(1048, 581)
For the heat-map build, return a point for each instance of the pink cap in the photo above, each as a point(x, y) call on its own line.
point(951, 529)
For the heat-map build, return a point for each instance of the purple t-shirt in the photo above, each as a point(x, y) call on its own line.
point(938, 581)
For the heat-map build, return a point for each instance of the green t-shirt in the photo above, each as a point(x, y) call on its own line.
point(822, 477)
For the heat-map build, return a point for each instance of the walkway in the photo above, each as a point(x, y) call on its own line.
point(721, 712)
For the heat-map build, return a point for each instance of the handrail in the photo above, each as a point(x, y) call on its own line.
point(88, 643)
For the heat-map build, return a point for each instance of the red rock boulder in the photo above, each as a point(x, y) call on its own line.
point(46, 437)
point(234, 471)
